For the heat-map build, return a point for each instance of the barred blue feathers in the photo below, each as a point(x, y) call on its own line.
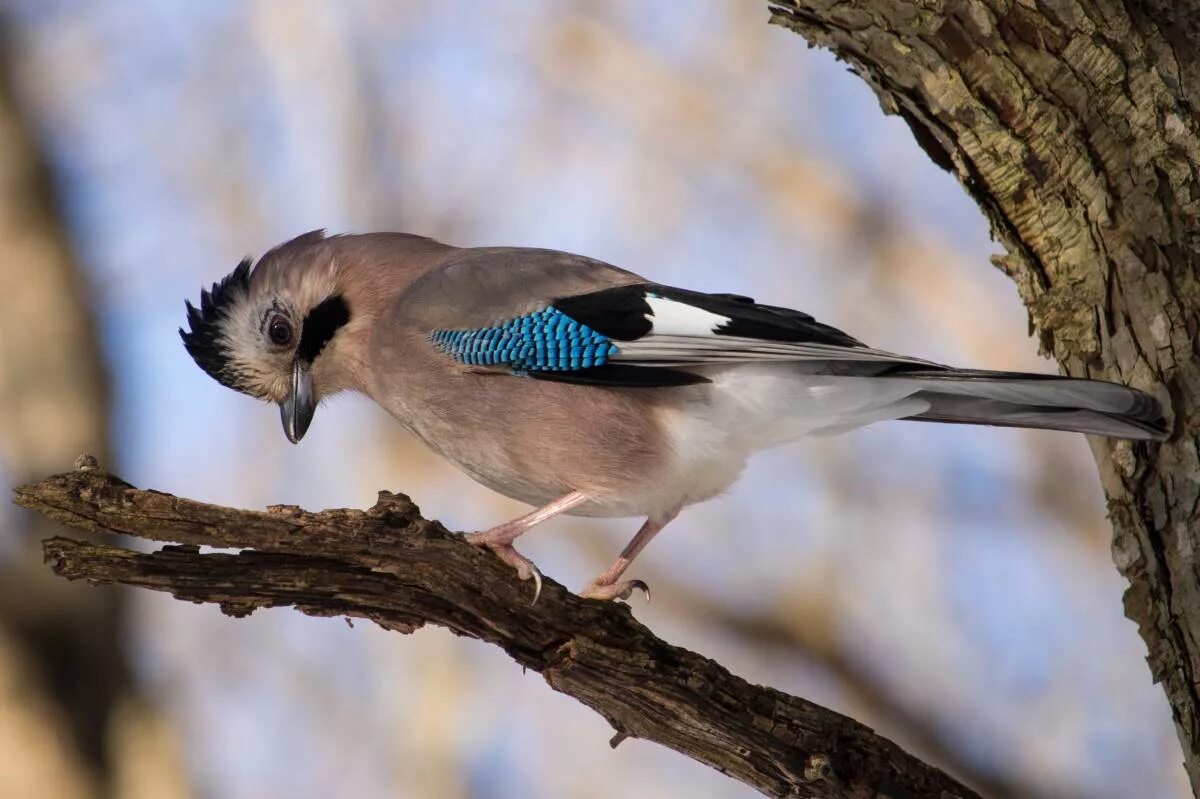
point(545, 340)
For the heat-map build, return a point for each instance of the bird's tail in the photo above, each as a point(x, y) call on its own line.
point(1016, 399)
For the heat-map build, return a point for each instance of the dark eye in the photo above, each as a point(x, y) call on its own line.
point(280, 331)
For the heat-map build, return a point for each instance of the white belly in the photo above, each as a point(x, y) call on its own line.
point(746, 409)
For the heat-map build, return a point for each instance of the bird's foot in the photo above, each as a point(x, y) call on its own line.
point(620, 589)
point(500, 538)
point(508, 554)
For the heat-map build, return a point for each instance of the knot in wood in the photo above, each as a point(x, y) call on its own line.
point(818, 768)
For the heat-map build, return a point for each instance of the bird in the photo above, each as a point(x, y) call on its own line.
point(581, 388)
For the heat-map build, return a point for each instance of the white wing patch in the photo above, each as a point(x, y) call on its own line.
point(685, 335)
point(680, 319)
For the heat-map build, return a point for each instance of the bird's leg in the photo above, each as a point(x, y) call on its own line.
point(500, 538)
point(609, 585)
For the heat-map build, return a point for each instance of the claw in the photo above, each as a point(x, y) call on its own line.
point(527, 571)
point(614, 591)
point(500, 538)
point(609, 584)
point(508, 554)
point(537, 586)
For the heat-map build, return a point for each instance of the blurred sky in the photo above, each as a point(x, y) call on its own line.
point(967, 570)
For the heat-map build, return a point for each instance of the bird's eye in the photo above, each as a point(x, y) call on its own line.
point(280, 331)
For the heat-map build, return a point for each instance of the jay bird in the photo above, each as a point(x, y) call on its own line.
point(579, 387)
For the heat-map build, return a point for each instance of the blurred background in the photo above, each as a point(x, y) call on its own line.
point(951, 587)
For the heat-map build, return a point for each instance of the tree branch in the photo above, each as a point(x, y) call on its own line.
point(921, 728)
point(391, 566)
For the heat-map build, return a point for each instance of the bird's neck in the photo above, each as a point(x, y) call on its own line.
point(370, 279)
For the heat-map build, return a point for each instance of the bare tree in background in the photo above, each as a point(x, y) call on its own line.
point(65, 686)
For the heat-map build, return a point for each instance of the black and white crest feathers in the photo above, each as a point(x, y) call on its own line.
point(204, 342)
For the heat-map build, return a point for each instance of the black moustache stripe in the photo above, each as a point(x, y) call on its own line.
point(320, 325)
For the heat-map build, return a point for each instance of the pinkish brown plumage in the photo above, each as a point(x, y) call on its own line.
point(582, 388)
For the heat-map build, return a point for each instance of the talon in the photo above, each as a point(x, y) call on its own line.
point(508, 554)
point(537, 586)
point(614, 591)
point(526, 569)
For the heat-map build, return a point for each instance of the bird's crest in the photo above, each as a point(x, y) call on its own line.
point(207, 342)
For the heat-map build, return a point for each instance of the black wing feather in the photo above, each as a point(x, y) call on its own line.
point(619, 375)
point(623, 314)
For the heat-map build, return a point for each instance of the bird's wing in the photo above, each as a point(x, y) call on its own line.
point(530, 317)
point(660, 325)
point(492, 309)
point(551, 316)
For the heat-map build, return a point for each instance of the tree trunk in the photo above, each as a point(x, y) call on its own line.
point(1074, 125)
point(53, 405)
point(66, 692)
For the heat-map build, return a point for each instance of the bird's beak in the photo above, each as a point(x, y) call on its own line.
point(297, 410)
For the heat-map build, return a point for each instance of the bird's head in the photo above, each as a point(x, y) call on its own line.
point(272, 331)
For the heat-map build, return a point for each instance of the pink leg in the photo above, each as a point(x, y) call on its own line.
point(500, 538)
point(609, 584)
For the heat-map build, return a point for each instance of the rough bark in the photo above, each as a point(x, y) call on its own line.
point(1074, 126)
point(401, 571)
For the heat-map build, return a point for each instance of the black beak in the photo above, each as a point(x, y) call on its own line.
point(296, 412)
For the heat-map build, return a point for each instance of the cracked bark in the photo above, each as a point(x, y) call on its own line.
point(401, 571)
point(1075, 127)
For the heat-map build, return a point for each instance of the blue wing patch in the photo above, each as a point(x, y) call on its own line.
point(545, 340)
